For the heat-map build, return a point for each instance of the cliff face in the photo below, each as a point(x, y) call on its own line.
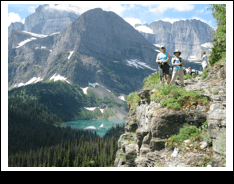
point(149, 127)
point(98, 47)
point(186, 36)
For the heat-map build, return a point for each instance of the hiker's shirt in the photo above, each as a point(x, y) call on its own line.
point(162, 57)
point(177, 61)
point(204, 63)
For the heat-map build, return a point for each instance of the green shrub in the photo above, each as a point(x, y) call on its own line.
point(186, 132)
point(133, 98)
point(215, 91)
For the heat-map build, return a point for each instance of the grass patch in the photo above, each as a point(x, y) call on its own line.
point(190, 132)
point(174, 97)
point(205, 72)
point(152, 81)
point(190, 77)
point(133, 99)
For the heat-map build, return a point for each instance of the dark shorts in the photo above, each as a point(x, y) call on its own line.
point(164, 69)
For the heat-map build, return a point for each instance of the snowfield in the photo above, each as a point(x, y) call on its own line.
point(36, 35)
point(90, 127)
point(32, 80)
point(59, 77)
point(71, 52)
point(85, 90)
point(25, 41)
point(121, 98)
point(138, 64)
point(144, 29)
point(93, 108)
point(207, 45)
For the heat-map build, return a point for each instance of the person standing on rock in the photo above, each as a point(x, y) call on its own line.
point(163, 65)
point(204, 59)
point(177, 63)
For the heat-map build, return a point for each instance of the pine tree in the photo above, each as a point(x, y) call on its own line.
point(69, 158)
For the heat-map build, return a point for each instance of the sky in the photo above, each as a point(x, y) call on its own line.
point(132, 12)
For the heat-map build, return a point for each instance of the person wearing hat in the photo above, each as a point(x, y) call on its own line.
point(177, 63)
point(163, 65)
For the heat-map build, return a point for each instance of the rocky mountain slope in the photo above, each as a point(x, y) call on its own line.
point(45, 21)
point(149, 127)
point(184, 35)
point(98, 47)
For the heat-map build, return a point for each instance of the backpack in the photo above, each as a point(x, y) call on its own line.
point(174, 62)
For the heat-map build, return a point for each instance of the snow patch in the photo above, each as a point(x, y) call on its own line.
point(115, 61)
point(59, 77)
point(71, 52)
point(144, 29)
point(54, 33)
point(90, 127)
point(121, 98)
point(36, 35)
point(138, 64)
point(32, 80)
point(85, 90)
point(42, 47)
point(25, 41)
point(207, 45)
point(157, 45)
point(93, 108)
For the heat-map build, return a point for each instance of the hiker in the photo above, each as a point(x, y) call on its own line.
point(204, 59)
point(189, 71)
point(184, 70)
point(194, 72)
point(177, 63)
point(163, 65)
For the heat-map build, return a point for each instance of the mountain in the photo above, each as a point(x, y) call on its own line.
point(15, 26)
point(45, 21)
point(98, 47)
point(188, 36)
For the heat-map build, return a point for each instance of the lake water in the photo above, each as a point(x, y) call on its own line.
point(100, 126)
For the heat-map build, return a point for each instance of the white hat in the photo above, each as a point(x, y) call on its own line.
point(162, 46)
point(177, 51)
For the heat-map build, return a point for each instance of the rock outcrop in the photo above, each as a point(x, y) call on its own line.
point(148, 128)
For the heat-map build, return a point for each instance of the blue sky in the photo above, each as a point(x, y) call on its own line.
point(132, 12)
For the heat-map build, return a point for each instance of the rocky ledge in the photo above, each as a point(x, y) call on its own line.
point(148, 128)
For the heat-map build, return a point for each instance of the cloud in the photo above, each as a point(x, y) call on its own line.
point(81, 8)
point(23, 21)
point(31, 9)
point(207, 22)
point(13, 17)
point(200, 11)
point(163, 7)
point(133, 21)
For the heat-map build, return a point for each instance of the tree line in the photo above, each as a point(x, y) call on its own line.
point(36, 139)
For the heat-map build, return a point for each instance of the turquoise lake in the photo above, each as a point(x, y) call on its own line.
point(100, 126)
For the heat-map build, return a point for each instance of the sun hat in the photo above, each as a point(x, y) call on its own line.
point(177, 51)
